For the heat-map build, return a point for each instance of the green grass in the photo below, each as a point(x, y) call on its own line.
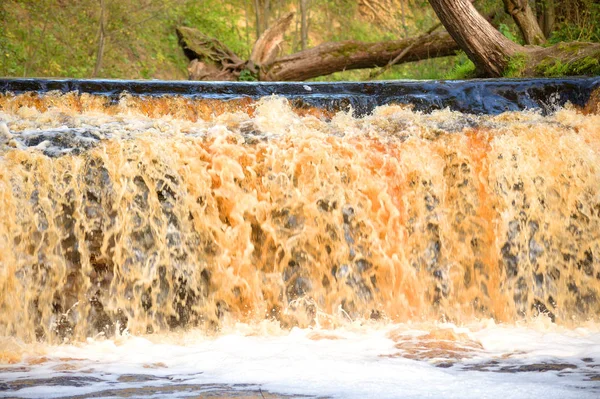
point(42, 38)
point(556, 68)
point(48, 38)
point(51, 38)
point(516, 66)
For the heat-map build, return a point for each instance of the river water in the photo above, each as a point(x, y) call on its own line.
point(178, 247)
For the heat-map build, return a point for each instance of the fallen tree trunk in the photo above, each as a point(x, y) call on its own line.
point(209, 58)
point(493, 54)
point(219, 63)
point(341, 56)
point(563, 59)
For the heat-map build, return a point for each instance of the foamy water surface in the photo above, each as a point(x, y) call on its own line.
point(483, 360)
point(170, 247)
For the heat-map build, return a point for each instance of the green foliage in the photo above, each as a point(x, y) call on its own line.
point(219, 19)
point(50, 38)
point(587, 29)
point(463, 68)
point(509, 32)
point(247, 76)
point(516, 66)
point(9, 60)
point(45, 38)
point(556, 68)
point(458, 67)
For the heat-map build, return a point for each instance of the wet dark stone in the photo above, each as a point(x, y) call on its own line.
point(572, 287)
point(101, 321)
point(138, 378)
point(535, 250)
point(431, 202)
point(433, 228)
point(348, 214)
point(514, 228)
point(326, 206)
point(341, 272)
point(585, 301)
point(467, 277)
point(63, 141)
point(432, 254)
point(287, 219)
point(487, 366)
point(537, 367)
point(291, 269)
point(64, 327)
point(363, 265)
point(147, 299)
point(375, 315)
point(122, 320)
point(164, 191)
point(511, 262)
point(521, 292)
point(69, 381)
point(205, 275)
point(298, 287)
point(488, 96)
point(144, 237)
point(587, 263)
point(183, 302)
point(541, 308)
point(539, 279)
point(373, 279)
point(554, 273)
point(362, 290)
point(221, 309)
point(348, 235)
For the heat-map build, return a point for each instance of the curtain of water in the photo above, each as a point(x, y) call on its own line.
point(161, 213)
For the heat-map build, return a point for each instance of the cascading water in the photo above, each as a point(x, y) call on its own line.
point(150, 216)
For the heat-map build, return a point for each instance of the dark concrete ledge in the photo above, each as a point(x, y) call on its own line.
point(478, 96)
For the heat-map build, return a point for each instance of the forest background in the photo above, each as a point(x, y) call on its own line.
point(137, 39)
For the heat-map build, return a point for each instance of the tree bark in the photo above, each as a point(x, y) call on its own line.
point(212, 60)
point(575, 58)
point(403, 18)
point(335, 57)
point(101, 39)
point(268, 44)
point(262, 10)
point(525, 20)
point(497, 56)
point(493, 54)
point(489, 50)
point(304, 24)
point(545, 10)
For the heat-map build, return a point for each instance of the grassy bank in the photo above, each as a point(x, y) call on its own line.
point(61, 38)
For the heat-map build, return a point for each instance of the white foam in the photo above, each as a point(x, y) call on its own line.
point(356, 365)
